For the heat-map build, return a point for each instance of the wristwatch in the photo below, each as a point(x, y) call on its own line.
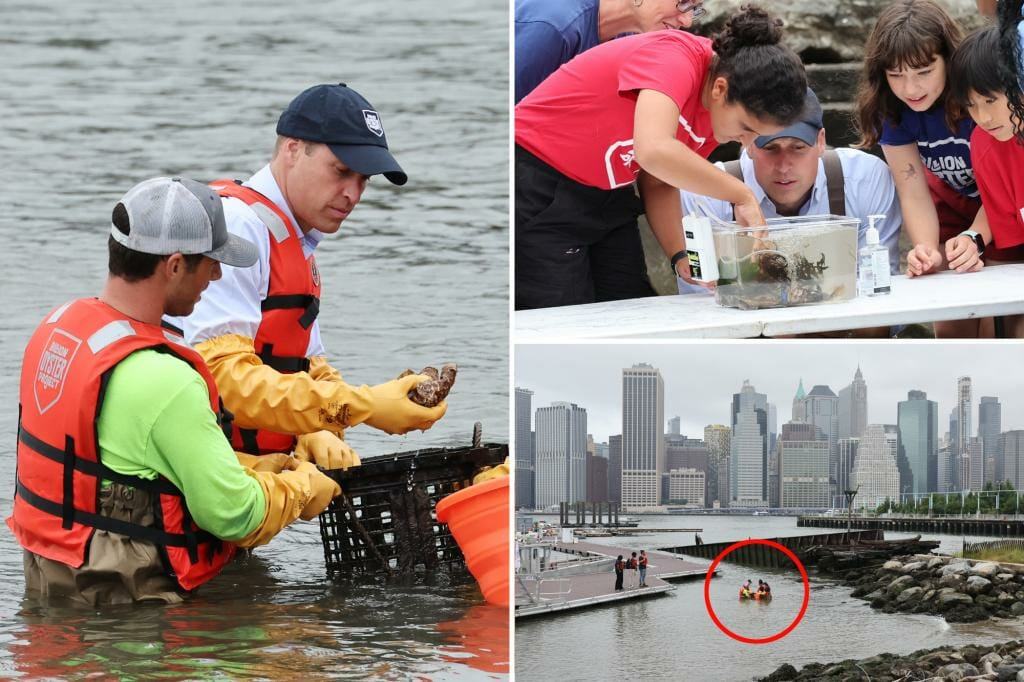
point(676, 257)
point(978, 240)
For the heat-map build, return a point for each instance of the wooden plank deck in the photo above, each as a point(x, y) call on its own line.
point(995, 290)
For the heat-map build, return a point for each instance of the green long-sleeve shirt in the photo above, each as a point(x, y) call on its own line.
point(156, 421)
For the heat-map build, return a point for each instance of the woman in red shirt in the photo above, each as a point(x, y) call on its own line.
point(648, 109)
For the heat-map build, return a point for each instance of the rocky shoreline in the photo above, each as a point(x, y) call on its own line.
point(960, 590)
point(1002, 662)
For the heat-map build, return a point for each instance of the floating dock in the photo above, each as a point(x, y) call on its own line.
point(559, 593)
point(768, 557)
point(999, 527)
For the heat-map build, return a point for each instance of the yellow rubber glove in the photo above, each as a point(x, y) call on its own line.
point(489, 473)
point(321, 370)
point(324, 489)
point(275, 462)
point(261, 397)
point(393, 412)
point(325, 450)
point(299, 493)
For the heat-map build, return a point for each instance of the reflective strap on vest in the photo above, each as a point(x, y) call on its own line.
point(90, 468)
point(111, 525)
point(307, 302)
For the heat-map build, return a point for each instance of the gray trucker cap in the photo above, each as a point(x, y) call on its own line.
point(178, 215)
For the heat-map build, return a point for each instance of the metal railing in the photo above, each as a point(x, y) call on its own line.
point(972, 549)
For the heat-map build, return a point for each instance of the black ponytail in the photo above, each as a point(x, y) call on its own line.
point(1011, 54)
point(765, 76)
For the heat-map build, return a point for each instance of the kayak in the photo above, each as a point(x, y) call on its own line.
point(755, 596)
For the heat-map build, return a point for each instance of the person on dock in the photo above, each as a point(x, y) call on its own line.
point(257, 327)
point(642, 567)
point(123, 466)
point(620, 567)
point(632, 567)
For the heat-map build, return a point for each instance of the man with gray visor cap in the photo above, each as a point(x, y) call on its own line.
point(123, 466)
point(257, 328)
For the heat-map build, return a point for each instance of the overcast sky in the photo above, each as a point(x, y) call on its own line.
point(700, 378)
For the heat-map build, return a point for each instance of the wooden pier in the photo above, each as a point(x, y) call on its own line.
point(538, 596)
point(768, 557)
point(998, 527)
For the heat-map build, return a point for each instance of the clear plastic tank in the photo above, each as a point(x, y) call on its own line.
point(791, 261)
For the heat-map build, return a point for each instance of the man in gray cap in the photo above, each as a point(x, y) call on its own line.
point(122, 463)
point(792, 174)
point(257, 327)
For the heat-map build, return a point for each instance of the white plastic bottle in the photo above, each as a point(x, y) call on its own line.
point(873, 263)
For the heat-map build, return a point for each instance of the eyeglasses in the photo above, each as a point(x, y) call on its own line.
point(695, 6)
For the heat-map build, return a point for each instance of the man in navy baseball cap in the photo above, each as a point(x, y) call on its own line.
point(257, 327)
point(341, 118)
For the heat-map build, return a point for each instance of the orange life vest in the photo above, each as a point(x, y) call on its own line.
point(67, 364)
point(288, 312)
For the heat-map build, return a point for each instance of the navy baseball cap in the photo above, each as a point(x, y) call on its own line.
point(806, 129)
point(341, 118)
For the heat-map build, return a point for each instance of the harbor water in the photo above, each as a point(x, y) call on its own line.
point(673, 637)
point(98, 96)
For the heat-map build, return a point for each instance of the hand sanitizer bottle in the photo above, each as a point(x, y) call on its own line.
point(873, 263)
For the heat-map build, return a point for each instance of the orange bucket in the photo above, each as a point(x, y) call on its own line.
point(477, 516)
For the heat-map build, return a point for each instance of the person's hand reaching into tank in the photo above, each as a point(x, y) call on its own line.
point(922, 260)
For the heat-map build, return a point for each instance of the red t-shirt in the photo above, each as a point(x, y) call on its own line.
point(580, 120)
point(999, 170)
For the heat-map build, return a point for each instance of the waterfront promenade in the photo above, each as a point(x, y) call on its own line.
point(553, 592)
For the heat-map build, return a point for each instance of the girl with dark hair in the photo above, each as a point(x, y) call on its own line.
point(979, 77)
point(645, 109)
point(901, 104)
point(1011, 46)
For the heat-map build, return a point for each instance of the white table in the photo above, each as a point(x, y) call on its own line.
point(996, 290)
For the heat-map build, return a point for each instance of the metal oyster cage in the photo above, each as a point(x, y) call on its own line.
point(384, 522)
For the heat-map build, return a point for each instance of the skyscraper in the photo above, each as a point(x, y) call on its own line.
point(717, 438)
point(853, 407)
point(798, 403)
point(953, 456)
point(615, 468)
point(643, 436)
point(690, 453)
point(990, 425)
point(917, 420)
point(875, 472)
point(524, 449)
point(561, 467)
point(673, 426)
point(803, 467)
point(844, 470)
point(1012, 447)
point(748, 465)
point(821, 408)
point(964, 433)
point(976, 459)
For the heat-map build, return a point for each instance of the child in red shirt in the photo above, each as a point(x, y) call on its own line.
point(977, 88)
point(648, 108)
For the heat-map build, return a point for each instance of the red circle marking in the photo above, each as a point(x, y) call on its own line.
point(711, 572)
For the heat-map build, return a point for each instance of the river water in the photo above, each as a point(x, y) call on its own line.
point(97, 96)
point(674, 638)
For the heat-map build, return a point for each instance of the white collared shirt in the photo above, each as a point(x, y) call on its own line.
point(231, 305)
point(869, 191)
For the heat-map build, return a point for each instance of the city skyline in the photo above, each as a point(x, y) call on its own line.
point(591, 375)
